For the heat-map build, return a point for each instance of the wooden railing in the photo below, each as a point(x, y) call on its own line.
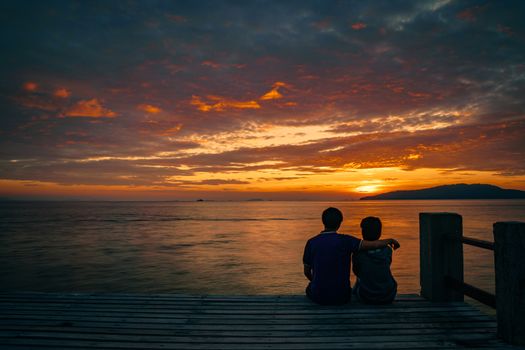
point(465, 288)
point(441, 268)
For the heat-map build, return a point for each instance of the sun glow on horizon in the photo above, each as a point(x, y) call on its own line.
point(368, 188)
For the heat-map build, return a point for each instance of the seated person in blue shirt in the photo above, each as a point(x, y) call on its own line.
point(375, 283)
point(327, 259)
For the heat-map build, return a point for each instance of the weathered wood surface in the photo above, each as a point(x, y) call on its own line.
point(440, 255)
point(509, 263)
point(164, 321)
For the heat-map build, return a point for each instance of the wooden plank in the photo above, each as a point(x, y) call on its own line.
point(145, 313)
point(254, 327)
point(252, 316)
point(260, 322)
point(91, 299)
point(306, 304)
point(357, 309)
point(108, 297)
point(167, 297)
point(242, 332)
point(226, 311)
point(251, 299)
point(147, 339)
point(453, 343)
point(211, 306)
point(184, 301)
point(157, 302)
point(224, 306)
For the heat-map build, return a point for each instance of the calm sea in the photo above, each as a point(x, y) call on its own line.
point(210, 247)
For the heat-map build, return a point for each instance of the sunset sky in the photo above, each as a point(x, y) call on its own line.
point(259, 99)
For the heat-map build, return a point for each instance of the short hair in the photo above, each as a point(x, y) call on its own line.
point(332, 218)
point(371, 228)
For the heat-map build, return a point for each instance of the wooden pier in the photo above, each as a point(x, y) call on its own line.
point(439, 319)
point(143, 321)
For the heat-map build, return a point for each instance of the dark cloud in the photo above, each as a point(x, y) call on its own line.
point(100, 172)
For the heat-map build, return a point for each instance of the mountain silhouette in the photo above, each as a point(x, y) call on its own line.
point(457, 191)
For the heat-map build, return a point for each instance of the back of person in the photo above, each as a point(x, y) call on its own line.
point(329, 255)
point(375, 283)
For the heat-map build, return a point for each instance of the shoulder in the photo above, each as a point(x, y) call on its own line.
point(312, 240)
point(347, 235)
point(353, 242)
point(350, 238)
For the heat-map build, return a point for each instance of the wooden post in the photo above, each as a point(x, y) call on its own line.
point(440, 255)
point(509, 261)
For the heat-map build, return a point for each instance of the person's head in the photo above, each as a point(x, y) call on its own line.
point(332, 218)
point(371, 228)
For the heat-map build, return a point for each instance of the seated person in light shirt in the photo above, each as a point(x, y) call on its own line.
point(327, 259)
point(375, 283)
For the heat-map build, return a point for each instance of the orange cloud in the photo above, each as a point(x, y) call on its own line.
point(149, 108)
point(274, 93)
point(418, 94)
point(171, 131)
point(30, 86)
point(62, 93)
point(280, 83)
point(218, 103)
point(358, 26)
point(221, 104)
point(89, 108)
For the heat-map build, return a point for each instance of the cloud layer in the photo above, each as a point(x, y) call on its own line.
point(263, 96)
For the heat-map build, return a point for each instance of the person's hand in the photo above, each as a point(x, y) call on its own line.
point(393, 243)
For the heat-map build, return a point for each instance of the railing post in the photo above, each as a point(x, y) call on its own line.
point(509, 261)
point(440, 254)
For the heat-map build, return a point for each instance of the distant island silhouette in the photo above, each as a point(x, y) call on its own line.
point(457, 191)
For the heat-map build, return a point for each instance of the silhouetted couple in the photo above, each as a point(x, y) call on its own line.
point(327, 260)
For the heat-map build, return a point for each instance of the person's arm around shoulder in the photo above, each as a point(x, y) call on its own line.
point(380, 243)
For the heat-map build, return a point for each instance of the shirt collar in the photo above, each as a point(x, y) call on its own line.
point(327, 232)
